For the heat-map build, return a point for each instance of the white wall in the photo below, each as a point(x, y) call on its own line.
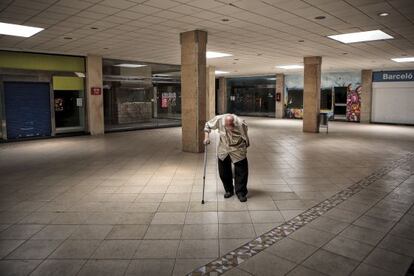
point(393, 102)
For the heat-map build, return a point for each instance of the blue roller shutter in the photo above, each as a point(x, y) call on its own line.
point(27, 109)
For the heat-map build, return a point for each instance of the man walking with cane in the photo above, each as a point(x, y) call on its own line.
point(232, 148)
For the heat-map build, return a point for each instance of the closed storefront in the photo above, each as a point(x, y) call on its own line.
point(393, 97)
point(252, 96)
point(41, 95)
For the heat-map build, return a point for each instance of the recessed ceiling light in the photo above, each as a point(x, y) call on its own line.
point(289, 67)
point(383, 14)
point(320, 17)
point(130, 65)
point(361, 36)
point(404, 59)
point(18, 30)
point(218, 72)
point(211, 54)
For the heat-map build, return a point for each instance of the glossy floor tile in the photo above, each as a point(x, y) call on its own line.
point(129, 203)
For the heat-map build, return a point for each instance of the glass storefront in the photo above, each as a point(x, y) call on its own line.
point(141, 95)
point(252, 96)
point(69, 106)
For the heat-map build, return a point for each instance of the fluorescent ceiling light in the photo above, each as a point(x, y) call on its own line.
point(80, 74)
point(221, 72)
point(293, 66)
point(403, 59)
point(211, 54)
point(361, 36)
point(129, 65)
point(18, 30)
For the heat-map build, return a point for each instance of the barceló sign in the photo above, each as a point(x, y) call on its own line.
point(96, 91)
point(391, 76)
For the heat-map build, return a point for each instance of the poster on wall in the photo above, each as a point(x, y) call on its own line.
point(168, 99)
point(353, 104)
point(58, 104)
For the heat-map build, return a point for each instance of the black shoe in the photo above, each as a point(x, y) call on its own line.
point(242, 198)
point(228, 194)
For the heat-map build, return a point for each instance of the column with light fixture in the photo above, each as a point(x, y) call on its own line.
point(280, 96)
point(366, 96)
point(211, 92)
point(193, 89)
point(311, 93)
point(222, 96)
point(94, 94)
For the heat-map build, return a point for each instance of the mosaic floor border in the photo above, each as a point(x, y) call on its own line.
point(236, 257)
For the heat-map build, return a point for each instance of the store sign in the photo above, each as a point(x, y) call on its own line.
point(96, 91)
point(390, 76)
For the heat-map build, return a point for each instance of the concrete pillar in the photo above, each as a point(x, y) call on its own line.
point(193, 89)
point(222, 96)
point(366, 96)
point(211, 92)
point(311, 93)
point(94, 94)
point(280, 89)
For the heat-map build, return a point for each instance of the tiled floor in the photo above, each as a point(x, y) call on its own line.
point(129, 203)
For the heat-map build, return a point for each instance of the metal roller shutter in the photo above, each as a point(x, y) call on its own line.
point(27, 109)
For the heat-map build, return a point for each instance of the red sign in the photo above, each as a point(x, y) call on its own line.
point(96, 91)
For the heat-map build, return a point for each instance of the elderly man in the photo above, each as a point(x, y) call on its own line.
point(232, 148)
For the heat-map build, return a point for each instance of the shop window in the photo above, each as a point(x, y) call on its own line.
point(141, 95)
point(326, 99)
point(67, 108)
point(294, 104)
point(252, 96)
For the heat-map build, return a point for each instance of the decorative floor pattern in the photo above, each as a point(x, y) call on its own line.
point(248, 250)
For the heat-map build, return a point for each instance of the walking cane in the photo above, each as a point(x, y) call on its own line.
point(204, 172)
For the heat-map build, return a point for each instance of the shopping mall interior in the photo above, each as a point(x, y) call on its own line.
point(121, 119)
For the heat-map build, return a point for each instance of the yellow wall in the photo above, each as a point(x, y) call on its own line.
point(31, 61)
point(68, 83)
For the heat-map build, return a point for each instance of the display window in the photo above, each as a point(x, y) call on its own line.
point(140, 95)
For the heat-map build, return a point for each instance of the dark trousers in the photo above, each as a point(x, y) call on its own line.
point(241, 171)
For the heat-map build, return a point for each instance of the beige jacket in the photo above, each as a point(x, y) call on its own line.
point(233, 143)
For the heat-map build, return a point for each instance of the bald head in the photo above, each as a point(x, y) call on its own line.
point(229, 122)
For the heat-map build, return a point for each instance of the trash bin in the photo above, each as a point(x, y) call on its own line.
point(323, 120)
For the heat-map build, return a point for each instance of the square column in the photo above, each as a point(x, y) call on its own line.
point(280, 90)
point(366, 96)
point(211, 92)
point(94, 95)
point(193, 89)
point(311, 93)
point(222, 96)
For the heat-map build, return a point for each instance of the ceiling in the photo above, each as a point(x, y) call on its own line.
point(259, 33)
